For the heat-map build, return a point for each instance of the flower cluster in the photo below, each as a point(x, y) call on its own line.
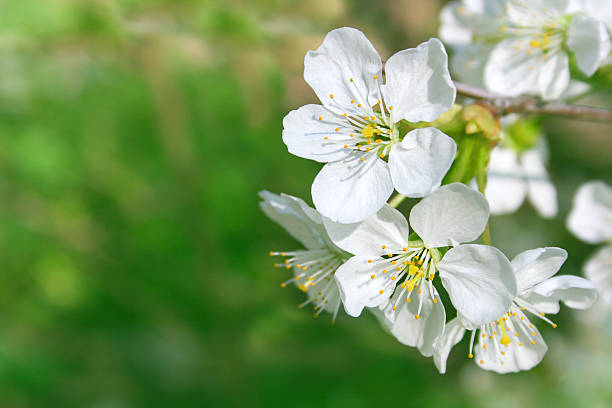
point(517, 47)
point(375, 131)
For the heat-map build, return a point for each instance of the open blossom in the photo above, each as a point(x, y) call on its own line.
point(313, 267)
point(511, 342)
point(355, 130)
point(514, 176)
point(591, 220)
point(396, 275)
point(523, 47)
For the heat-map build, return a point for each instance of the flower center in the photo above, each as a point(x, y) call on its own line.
point(514, 328)
point(413, 267)
point(366, 128)
point(313, 272)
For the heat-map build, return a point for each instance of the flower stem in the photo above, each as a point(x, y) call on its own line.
point(504, 105)
point(397, 200)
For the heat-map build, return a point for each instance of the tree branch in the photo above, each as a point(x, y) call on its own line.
point(503, 105)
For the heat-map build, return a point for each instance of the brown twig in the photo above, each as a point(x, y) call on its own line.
point(503, 105)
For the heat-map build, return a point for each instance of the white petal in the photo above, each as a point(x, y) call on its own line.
point(453, 213)
point(453, 333)
point(305, 131)
point(298, 225)
point(520, 354)
point(407, 329)
point(601, 10)
point(418, 164)
point(589, 40)
point(479, 281)
point(510, 71)
point(506, 188)
point(553, 75)
point(452, 30)
point(345, 53)
point(418, 85)
point(388, 227)
point(536, 265)
point(350, 190)
point(358, 289)
point(599, 270)
point(542, 192)
point(591, 216)
point(468, 63)
point(575, 292)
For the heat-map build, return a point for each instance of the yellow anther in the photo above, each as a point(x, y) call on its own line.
point(399, 268)
point(346, 146)
point(331, 96)
point(326, 138)
point(417, 317)
point(470, 355)
point(375, 76)
point(554, 326)
point(505, 340)
point(320, 118)
point(520, 344)
point(408, 300)
point(373, 276)
point(381, 291)
point(367, 131)
point(503, 353)
point(372, 117)
point(484, 346)
point(283, 285)
point(393, 262)
point(404, 249)
point(384, 271)
point(304, 268)
point(352, 135)
point(369, 261)
point(359, 105)
point(362, 159)
point(394, 308)
point(533, 342)
point(351, 79)
point(287, 266)
point(390, 107)
point(382, 155)
point(384, 247)
point(302, 288)
point(337, 129)
point(481, 361)
point(435, 300)
point(352, 101)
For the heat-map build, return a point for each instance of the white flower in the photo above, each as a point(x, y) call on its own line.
point(521, 47)
point(591, 220)
point(512, 343)
point(314, 266)
point(396, 275)
point(356, 127)
point(514, 176)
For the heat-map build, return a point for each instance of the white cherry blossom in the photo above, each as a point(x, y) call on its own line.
point(523, 47)
point(591, 220)
point(511, 342)
point(314, 266)
point(355, 130)
point(514, 176)
point(396, 275)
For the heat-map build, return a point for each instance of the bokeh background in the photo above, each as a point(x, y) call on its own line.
point(134, 137)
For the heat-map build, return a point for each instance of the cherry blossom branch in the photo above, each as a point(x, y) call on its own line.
point(503, 105)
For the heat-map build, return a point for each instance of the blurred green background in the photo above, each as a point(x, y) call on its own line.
point(134, 272)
